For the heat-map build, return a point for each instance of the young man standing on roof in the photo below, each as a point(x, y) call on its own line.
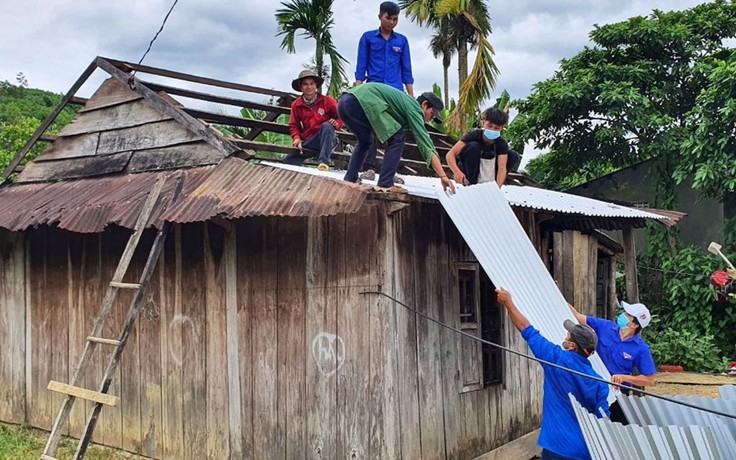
point(622, 349)
point(481, 155)
point(313, 121)
point(387, 112)
point(383, 57)
point(561, 437)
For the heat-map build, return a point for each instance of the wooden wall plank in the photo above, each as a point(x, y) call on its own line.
point(71, 169)
point(63, 148)
point(151, 328)
point(449, 252)
point(246, 271)
point(407, 336)
point(12, 327)
point(177, 156)
point(268, 435)
point(215, 353)
point(78, 332)
point(173, 326)
point(149, 136)
point(233, 344)
point(322, 342)
point(428, 341)
point(111, 92)
point(194, 311)
point(291, 332)
point(133, 113)
point(352, 326)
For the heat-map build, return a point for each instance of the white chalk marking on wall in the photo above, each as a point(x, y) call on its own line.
point(181, 321)
point(329, 353)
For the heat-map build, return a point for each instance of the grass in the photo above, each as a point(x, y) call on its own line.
point(25, 443)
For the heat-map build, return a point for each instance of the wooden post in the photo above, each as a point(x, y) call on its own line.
point(632, 287)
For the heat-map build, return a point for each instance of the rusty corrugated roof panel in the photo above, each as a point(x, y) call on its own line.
point(232, 189)
point(240, 189)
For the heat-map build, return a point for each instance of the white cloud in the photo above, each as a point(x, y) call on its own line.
point(53, 42)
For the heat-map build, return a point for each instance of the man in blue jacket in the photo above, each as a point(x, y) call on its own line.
point(561, 437)
point(383, 57)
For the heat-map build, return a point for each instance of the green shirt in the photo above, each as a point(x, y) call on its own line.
point(389, 110)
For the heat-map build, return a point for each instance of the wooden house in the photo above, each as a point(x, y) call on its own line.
point(256, 337)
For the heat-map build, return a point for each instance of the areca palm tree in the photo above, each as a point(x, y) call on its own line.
point(314, 19)
point(471, 23)
point(443, 44)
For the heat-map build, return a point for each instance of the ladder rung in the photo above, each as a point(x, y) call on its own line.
point(84, 393)
point(105, 341)
point(47, 457)
point(125, 285)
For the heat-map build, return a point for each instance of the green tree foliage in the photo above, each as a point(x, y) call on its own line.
point(468, 24)
point(314, 19)
point(694, 352)
point(708, 155)
point(22, 110)
point(633, 96)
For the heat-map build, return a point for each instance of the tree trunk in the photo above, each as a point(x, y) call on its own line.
point(462, 74)
point(319, 62)
point(445, 74)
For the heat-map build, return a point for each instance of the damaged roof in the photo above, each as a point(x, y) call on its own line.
point(232, 189)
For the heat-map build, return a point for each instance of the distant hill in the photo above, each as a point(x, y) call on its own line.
point(22, 110)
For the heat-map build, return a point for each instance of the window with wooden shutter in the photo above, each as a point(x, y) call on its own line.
point(480, 316)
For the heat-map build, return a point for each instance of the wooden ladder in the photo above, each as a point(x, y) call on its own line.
point(100, 397)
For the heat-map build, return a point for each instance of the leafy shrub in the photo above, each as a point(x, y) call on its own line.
point(694, 352)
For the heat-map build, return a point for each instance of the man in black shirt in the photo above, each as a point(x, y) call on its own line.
point(481, 155)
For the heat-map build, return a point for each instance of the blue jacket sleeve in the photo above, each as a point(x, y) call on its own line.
point(361, 68)
point(406, 76)
point(541, 347)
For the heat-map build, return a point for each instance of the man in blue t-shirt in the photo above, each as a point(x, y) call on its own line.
point(622, 349)
point(383, 57)
point(561, 437)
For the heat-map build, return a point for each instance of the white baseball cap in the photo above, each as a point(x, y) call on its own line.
point(638, 311)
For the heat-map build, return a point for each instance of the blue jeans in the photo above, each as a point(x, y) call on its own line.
point(322, 143)
point(352, 114)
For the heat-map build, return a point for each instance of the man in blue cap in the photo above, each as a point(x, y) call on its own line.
point(561, 437)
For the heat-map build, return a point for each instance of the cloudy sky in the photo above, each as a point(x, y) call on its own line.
point(52, 42)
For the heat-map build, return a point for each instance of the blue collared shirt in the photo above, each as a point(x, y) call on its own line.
point(560, 431)
point(621, 356)
point(384, 61)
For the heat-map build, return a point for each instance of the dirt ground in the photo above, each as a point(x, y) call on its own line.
point(687, 383)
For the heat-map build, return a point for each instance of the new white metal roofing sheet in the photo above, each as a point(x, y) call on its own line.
point(494, 234)
point(607, 440)
point(526, 197)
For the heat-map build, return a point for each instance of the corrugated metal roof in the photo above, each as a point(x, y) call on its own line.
point(494, 234)
point(727, 392)
point(607, 440)
point(647, 410)
point(232, 189)
point(524, 197)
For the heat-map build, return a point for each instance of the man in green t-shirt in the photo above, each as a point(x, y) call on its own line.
point(375, 108)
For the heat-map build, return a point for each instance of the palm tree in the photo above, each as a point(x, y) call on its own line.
point(314, 18)
point(471, 22)
point(443, 44)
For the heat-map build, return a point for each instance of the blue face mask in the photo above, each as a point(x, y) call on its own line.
point(491, 134)
point(622, 320)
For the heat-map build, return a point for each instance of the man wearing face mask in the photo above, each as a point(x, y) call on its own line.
point(481, 155)
point(561, 436)
point(622, 349)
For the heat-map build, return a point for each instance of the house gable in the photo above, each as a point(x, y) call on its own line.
point(118, 131)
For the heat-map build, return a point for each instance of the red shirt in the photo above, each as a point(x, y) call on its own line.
point(306, 121)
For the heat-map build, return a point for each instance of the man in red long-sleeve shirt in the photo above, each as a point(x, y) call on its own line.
point(313, 121)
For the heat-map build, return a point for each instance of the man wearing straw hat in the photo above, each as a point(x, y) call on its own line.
point(313, 121)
